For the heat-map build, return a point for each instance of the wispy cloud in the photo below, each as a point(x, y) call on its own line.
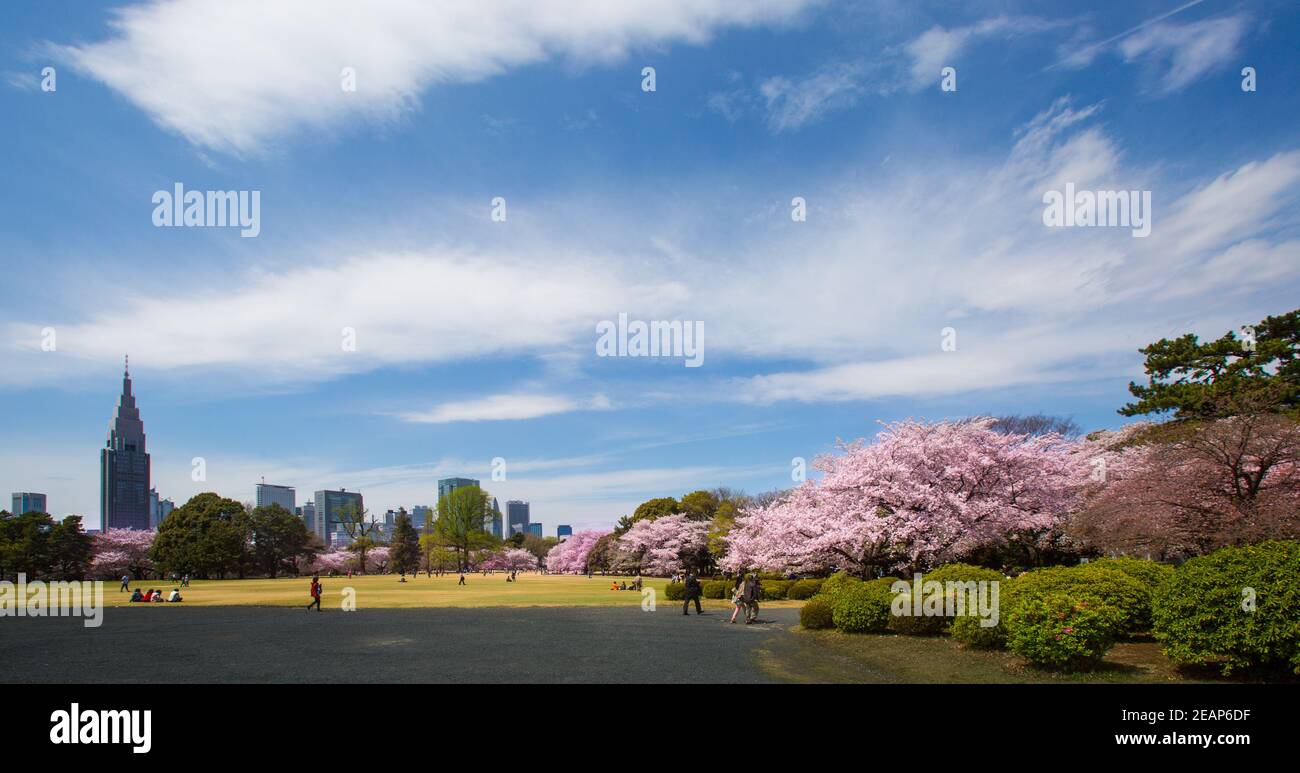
point(235, 75)
point(503, 408)
point(1186, 52)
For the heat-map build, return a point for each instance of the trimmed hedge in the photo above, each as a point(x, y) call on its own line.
point(1097, 583)
point(817, 613)
point(804, 589)
point(1149, 573)
point(1201, 614)
point(775, 590)
point(918, 624)
point(717, 589)
point(675, 591)
point(1058, 630)
point(836, 583)
point(863, 607)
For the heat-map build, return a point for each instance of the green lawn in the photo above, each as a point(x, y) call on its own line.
point(830, 656)
point(385, 591)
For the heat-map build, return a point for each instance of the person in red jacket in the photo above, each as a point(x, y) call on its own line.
point(315, 592)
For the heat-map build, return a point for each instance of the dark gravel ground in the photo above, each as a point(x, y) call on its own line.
point(265, 644)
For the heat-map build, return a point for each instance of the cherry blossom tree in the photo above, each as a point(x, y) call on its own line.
point(668, 544)
point(333, 561)
point(570, 556)
point(122, 551)
point(920, 495)
point(1186, 488)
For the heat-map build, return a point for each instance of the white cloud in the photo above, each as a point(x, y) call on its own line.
point(503, 408)
point(793, 104)
point(1188, 51)
point(940, 47)
point(237, 74)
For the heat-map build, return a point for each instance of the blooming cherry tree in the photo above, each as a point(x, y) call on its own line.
point(668, 544)
point(921, 495)
point(122, 551)
point(570, 556)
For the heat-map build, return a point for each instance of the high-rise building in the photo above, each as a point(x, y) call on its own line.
point(494, 520)
point(308, 515)
point(330, 506)
point(516, 517)
point(124, 467)
point(284, 496)
point(422, 516)
point(563, 530)
point(448, 485)
point(28, 502)
point(159, 508)
point(534, 528)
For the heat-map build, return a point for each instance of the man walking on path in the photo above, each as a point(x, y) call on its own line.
point(462, 579)
point(692, 594)
point(315, 592)
point(753, 592)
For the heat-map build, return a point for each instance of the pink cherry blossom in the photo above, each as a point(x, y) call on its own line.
point(570, 556)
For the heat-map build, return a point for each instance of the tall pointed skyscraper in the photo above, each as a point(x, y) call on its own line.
point(124, 467)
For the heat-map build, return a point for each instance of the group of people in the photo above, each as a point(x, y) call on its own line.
point(745, 595)
point(634, 585)
point(155, 595)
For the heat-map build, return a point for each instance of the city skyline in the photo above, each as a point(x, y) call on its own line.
point(822, 219)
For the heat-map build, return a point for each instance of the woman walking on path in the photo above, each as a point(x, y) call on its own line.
point(315, 593)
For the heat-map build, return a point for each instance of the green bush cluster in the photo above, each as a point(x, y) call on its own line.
point(917, 624)
point(1149, 573)
point(775, 590)
point(1202, 614)
point(675, 591)
point(1099, 584)
point(836, 583)
point(804, 589)
point(863, 607)
point(1057, 629)
point(716, 589)
point(817, 613)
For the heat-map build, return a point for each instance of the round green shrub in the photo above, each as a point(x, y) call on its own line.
point(968, 630)
point(838, 582)
point(918, 624)
point(1058, 630)
point(716, 589)
point(817, 613)
point(1100, 584)
point(1202, 615)
point(804, 589)
point(675, 591)
point(1149, 573)
point(775, 590)
point(863, 607)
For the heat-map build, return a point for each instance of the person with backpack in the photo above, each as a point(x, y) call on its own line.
point(692, 594)
point(753, 592)
point(315, 592)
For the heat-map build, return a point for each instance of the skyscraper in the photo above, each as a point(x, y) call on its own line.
point(28, 502)
point(124, 467)
point(159, 508)
point(329, 508)
point(563, 530)
point(534, 528)
point(516, 517)
point(308, 515)
point(448, 485)
point(284, 496)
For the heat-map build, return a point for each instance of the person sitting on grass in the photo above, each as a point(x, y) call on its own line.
point(613, 586)
point(148, 595)
point(137, 595)
point(175, 595)
point(158, 595)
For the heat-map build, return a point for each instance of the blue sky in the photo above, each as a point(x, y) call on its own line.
point(476, 339)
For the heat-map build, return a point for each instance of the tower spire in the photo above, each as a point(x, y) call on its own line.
point(126, 368)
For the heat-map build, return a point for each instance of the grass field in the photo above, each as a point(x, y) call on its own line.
point(385, 591)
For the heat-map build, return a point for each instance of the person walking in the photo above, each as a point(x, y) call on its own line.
point(126, 583)
point(753, 592)
point(692, 594)
point(315, 592)
point(462, 579)
point(737, 597)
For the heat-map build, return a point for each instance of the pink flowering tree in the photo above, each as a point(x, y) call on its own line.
point(922, 494)
point(378, 559)
point(122, 551)
point(333, 561)
point(519, 560)
point(570, 556)
point(668, 544)
point(489, 561)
